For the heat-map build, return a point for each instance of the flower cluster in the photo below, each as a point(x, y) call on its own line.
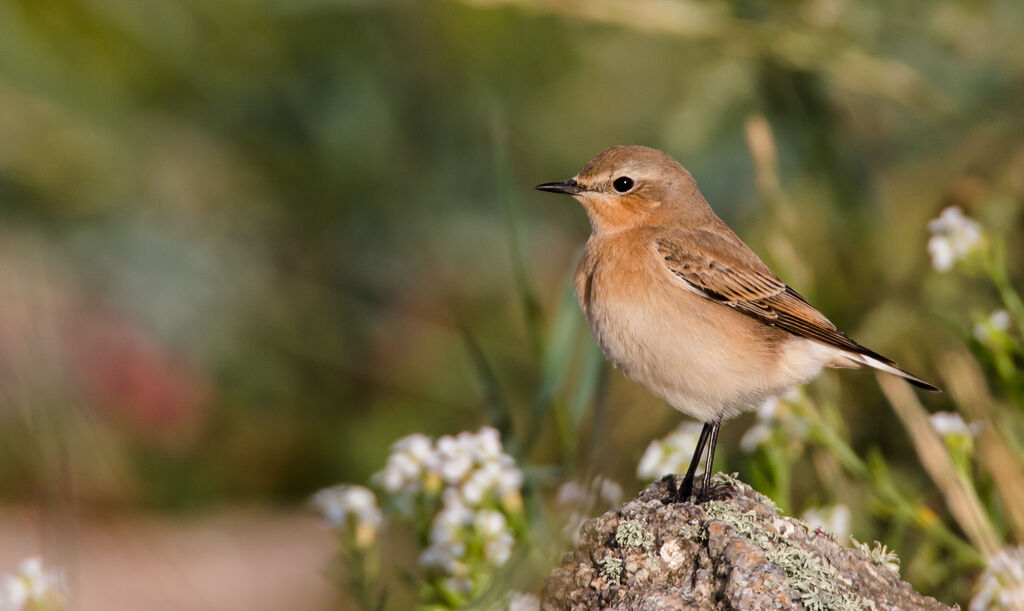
point(476, 488)
point(460, 536)
point(1001, 586)
point(475, 464)
point(350, 510)
point(954, 237)
point(31, 587)
point(671, 454)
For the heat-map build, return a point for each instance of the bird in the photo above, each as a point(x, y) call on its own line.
point(679, 303)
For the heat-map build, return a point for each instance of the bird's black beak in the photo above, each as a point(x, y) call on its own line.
point(566, 186)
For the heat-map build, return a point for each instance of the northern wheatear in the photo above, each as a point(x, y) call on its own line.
point(680, 304)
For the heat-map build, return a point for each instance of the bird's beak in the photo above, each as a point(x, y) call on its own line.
point(565, 186)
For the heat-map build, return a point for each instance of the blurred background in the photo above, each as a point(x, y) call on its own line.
point(247, 245)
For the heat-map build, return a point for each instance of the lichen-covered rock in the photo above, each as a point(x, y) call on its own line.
point(733, 552)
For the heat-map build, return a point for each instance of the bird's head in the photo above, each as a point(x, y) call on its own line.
point(626, 186)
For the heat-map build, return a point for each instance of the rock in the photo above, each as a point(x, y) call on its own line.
point(733, 552)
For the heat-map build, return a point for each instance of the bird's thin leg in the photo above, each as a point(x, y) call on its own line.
point(711, 461)
point(687, 488)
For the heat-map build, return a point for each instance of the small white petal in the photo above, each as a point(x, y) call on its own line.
point(1000, 319)
point(489, 523)
point(941, 251)
point(954, 236)
point(949, 423)
point(488, 443)
point(474, 489)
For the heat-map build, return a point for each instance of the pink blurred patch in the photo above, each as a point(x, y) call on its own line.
point(127, 373)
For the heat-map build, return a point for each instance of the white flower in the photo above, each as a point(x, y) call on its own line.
point(455, 457)
point(497, 551)
point(446, 558)
point(493, 528)
point(1000, 319)
point(834, 519)
point(488, 445)
point(447, 536)
point(1001, 586)
point(350, 509)
point(954, 236)
point(14, 593)
point(997, 321)
point(489, 523)
point(510, 479)
point(517, 601)
point(474, 463)
point(670, 455)
point(475, 487)
point(31, 586)
point(458, 584)
point(453, 515)
point(410, 460)
point(339, 502)
point(417, 446)
point(949, 424)
point(470, 474)
point(454, 525)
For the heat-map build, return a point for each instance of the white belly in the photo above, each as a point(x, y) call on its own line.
point(703, 358)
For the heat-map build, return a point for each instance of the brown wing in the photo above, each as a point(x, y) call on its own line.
point(726, 271)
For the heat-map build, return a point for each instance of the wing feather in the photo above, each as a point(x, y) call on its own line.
point(727, 272)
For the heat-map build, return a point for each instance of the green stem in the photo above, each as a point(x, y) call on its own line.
point(995, 266)
point(898, 504)
point(781, 468)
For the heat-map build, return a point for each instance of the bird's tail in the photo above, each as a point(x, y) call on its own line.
point(879, 362)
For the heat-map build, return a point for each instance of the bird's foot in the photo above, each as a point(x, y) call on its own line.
point(702, 497)
point(678, 493)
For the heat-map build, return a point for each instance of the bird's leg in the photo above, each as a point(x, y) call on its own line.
point(687, 488)
point(703, 496)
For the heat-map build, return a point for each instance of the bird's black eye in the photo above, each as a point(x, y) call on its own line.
point(623, 184)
